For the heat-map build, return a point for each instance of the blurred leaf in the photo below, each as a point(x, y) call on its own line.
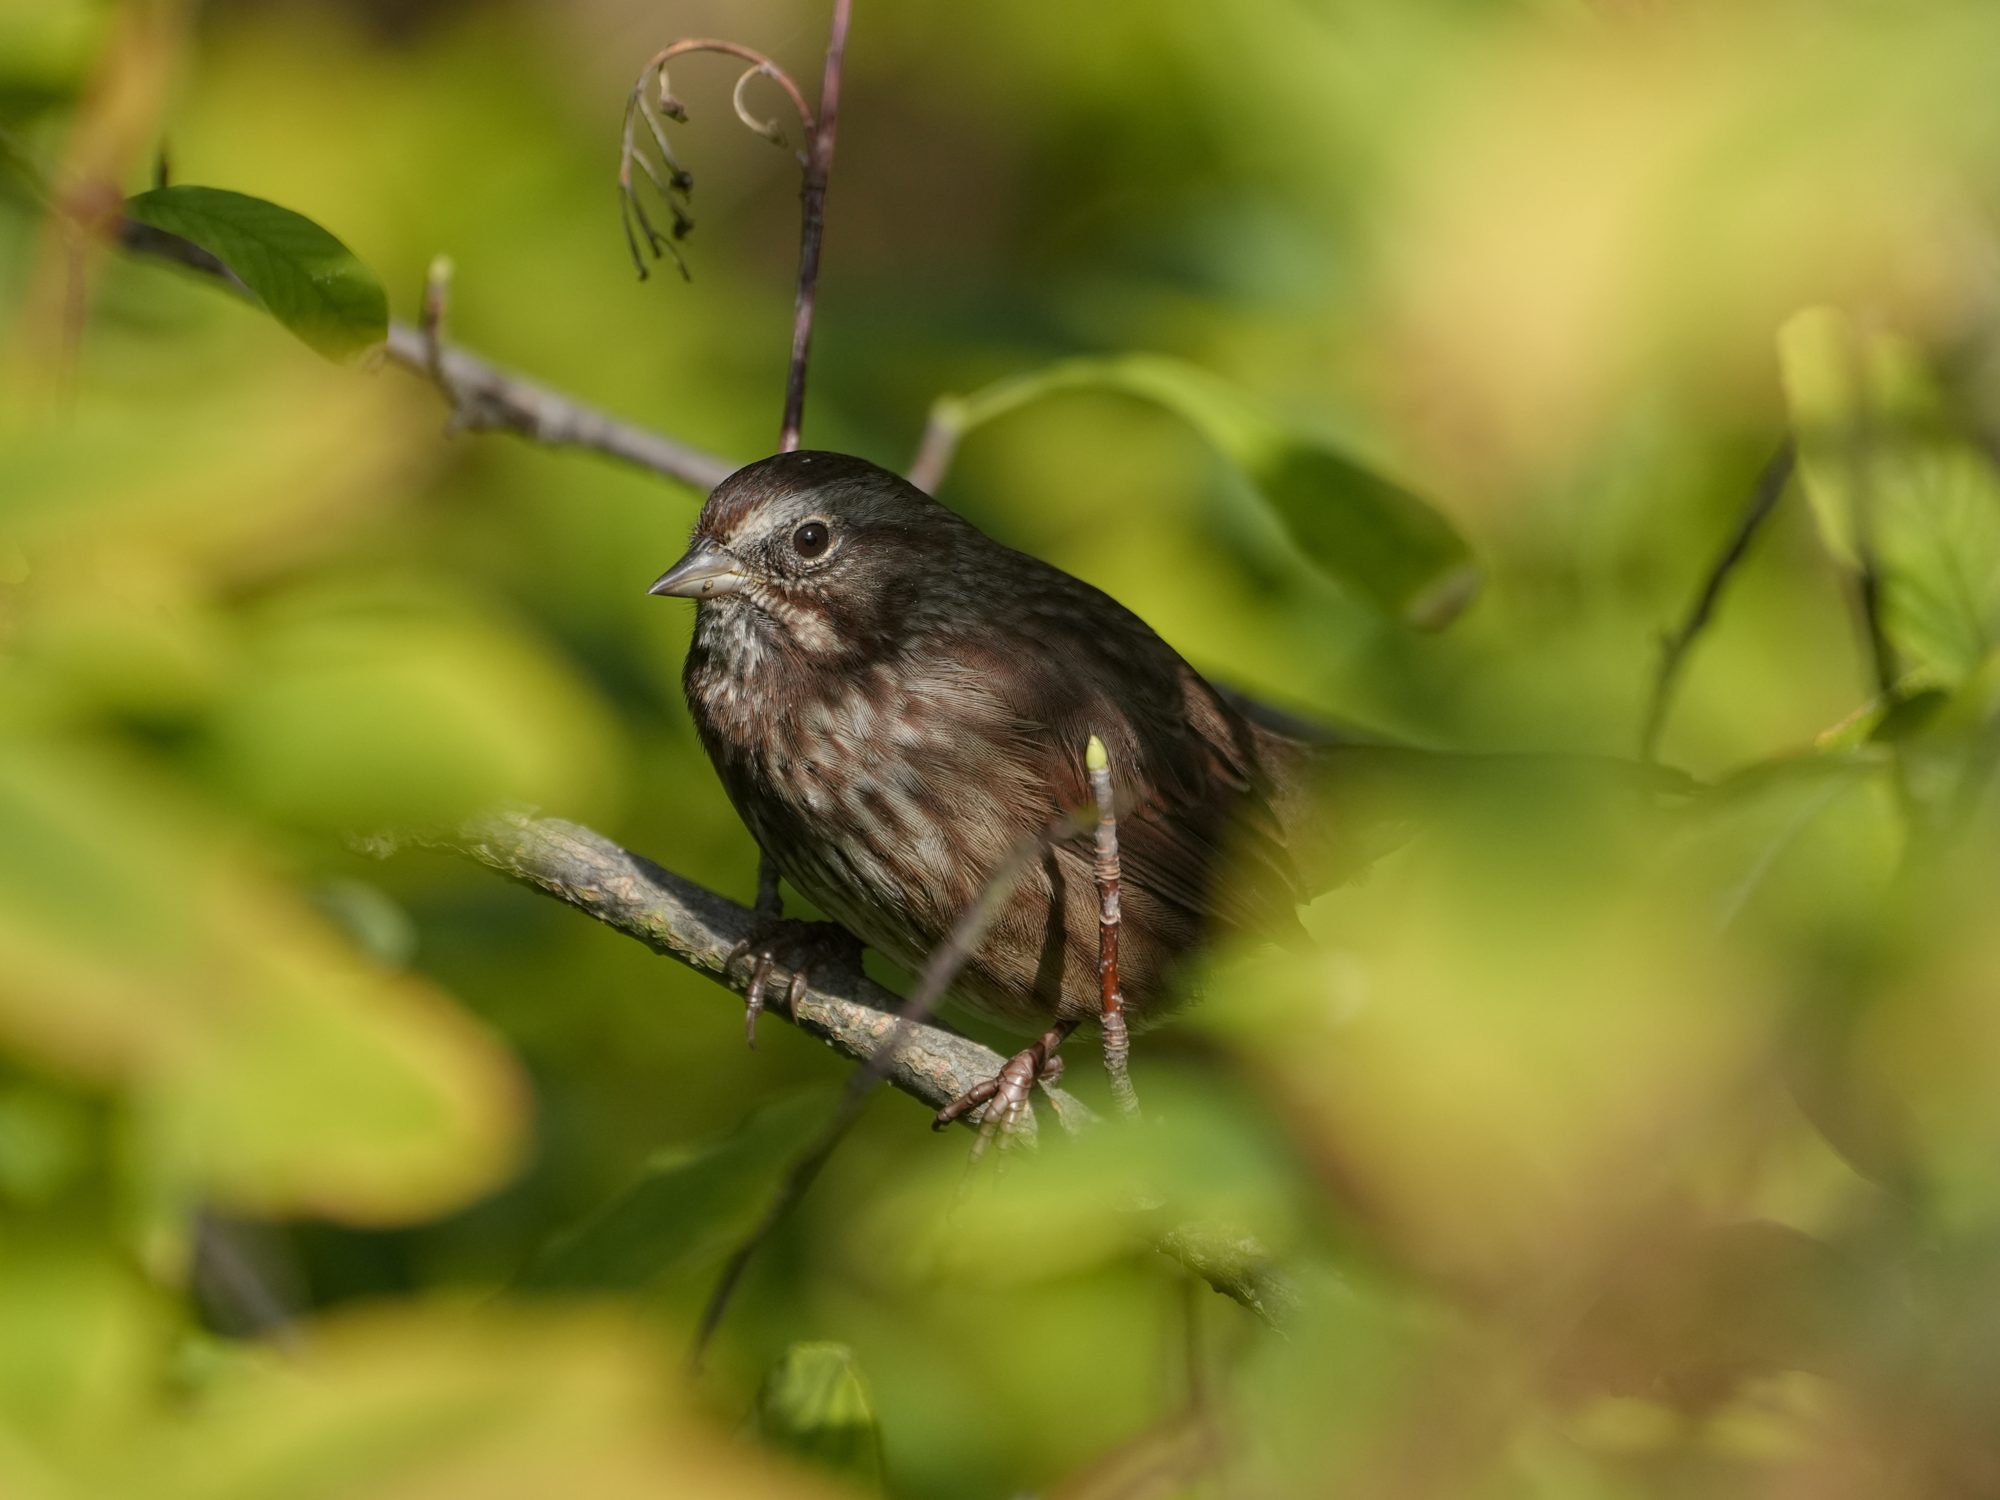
point(1702, 1308)
point(1372, 535)
point(365, 706)
point(440, 1403)
point(270, 1065)
point(44, 1138)
point(82, 1337)
point(1880, 468)
point(1821, 358)
point(814, 1405)
point(690, 1202)
point(1200, 1162)
point(308, 280)
point(371, 918)
point(46, 50)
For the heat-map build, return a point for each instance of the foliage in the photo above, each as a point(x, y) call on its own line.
point(1617, 1145)
point(302, 275)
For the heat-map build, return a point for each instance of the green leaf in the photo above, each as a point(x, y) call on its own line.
point(1368, 533)
point(47, 50)
point(145, 951)
point(690, 1202)
point(814, 1405)
point(1891, 483)
point(439, 1401)
point(308, 280)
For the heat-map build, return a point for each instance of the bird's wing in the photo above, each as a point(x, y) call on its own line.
point(1197, 828)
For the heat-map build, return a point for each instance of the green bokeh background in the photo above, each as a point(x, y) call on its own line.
point(1529, 259)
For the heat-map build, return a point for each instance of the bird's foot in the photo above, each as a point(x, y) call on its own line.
point(799, 948)
point(1006, 1093)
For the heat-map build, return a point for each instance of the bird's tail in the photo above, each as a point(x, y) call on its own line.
point(1346, 797)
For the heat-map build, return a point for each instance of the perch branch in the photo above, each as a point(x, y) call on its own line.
point(684, 921)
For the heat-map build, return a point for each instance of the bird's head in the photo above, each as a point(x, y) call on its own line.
point(822, 552)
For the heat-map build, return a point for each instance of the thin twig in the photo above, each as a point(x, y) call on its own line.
point(430, 323)
point(1771, 482)
point(938, 445)
point(229, 1278)
point(1111, 1000)
point(1885, 669)
point(819, 169)
point(768, 129)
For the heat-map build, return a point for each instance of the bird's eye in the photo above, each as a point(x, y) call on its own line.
point(810, 539)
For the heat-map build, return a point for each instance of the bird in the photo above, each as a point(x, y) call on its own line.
point(895, 702)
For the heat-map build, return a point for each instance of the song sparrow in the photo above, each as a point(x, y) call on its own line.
point(895, 702)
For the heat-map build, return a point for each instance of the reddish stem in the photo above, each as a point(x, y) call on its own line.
point(819, 168)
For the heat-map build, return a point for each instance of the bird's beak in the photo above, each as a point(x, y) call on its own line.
point(706, 572)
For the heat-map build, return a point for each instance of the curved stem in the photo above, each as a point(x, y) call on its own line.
point(733, 49)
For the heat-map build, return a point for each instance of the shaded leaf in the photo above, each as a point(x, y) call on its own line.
point(1370, 534)
point(688, 1203)
point(308, 280)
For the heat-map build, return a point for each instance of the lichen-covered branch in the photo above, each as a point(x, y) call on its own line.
point(485, 398)
point(690, 923)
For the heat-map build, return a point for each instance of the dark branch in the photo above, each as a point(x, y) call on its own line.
point(1771, 482)
point(818, 169)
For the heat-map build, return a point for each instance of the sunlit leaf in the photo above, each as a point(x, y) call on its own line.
point(308, 280)
point(439, 1403)
point(1892, 487)
point(46, 49)
point(814, 1405)
point(361, 708)
point(83, 1337)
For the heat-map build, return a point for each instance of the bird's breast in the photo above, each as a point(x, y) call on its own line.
point(880, 794)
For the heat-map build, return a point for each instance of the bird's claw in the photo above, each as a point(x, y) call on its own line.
point(1005, 1095)
point(797, 947)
